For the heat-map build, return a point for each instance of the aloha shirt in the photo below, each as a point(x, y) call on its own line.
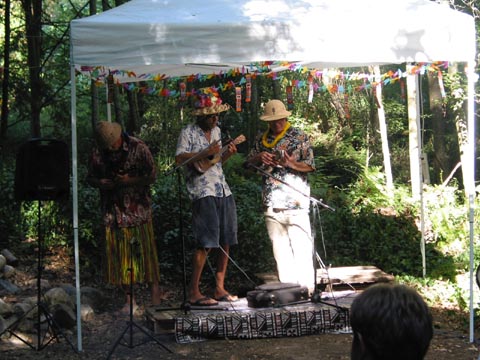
point(210, 183)
point(275, 194)
point(125, 206)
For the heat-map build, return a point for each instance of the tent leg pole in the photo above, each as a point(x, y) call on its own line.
point(75, 203)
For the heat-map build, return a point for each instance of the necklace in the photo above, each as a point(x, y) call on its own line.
point(277, 138)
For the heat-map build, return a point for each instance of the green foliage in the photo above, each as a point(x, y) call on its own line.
point(172, 224)
point(371, 224)
point(47, 219)
point(371, 238)
point(254, 252)
point(445, 293)
point(10, 216)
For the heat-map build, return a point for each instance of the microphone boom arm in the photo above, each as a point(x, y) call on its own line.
point(262, 171)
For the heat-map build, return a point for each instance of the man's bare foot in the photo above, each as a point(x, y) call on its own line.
point(125, 310)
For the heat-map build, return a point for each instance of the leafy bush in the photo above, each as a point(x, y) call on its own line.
point(10, 215)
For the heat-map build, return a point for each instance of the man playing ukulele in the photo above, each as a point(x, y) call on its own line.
point(213, 206)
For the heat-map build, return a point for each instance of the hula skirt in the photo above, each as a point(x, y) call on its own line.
point(137, 241)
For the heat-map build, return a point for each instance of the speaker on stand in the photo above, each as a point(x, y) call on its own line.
point(42, 170)
point(42, 173)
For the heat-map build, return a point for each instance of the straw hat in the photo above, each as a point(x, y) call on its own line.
point(208, 102)
point(107, 133)
point(274, 110)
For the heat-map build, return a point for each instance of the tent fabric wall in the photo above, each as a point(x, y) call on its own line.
point(183, 37)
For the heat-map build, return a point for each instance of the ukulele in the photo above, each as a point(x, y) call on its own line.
point(204, 164)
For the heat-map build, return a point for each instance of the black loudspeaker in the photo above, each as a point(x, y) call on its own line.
point(42, 170)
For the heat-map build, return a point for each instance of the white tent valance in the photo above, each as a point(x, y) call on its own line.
point(185, 37)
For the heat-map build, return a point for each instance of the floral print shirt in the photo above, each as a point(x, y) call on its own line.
point(276, 194)
point(210, 183)
point(125, 206)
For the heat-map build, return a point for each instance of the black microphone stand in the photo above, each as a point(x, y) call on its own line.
point(316, 296)
point(131, 324)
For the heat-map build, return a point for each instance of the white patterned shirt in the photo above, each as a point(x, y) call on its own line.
point(210, 183)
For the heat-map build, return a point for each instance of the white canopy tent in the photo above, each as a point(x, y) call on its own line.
point(184, 37)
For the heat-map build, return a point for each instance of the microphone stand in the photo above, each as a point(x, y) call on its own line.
point(266, 173)
point(131, 323)
point(316, 297)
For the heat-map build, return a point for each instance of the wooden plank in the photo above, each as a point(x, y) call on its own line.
point(161, 320)
point(353, 275)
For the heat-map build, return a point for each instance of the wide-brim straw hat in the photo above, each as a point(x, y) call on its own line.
point(210, 110)
point(107, 133)
point(208, 102)
point(274, 110)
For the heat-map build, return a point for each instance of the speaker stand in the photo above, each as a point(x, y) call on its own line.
point(53, 330)
point(131, 325)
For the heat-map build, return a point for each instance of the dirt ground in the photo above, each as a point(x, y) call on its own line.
point(101, 335)
point(111, 335)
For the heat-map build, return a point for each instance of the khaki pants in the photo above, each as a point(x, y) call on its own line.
point(290, 234)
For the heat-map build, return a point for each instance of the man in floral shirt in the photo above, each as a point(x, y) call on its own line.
point(287, 155)
point(122, 168)
point(213, 206)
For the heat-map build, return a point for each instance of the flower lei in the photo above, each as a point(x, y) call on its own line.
point(277, 138)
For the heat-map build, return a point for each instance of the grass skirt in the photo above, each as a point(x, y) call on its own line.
point(145, 259)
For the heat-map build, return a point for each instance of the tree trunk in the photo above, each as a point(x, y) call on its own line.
point(383, 131)
point(33, 18)
point(132, 121)
point(460, 113)
point(337, 100)
point(117, 105)
point(440, 161)
point(277, 92)
point(6, 73)
point(105, 5)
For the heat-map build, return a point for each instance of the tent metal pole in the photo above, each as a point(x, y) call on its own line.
point(75, 199)
point(472, 77)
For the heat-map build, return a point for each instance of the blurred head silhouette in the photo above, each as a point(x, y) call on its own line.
point(390, 322)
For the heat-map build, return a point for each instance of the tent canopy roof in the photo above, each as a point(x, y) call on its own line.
point(184, 37)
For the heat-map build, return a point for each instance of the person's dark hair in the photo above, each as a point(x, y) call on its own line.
point(390, 322)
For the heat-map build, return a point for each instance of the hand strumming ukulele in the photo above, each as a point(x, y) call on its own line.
point(204, 164)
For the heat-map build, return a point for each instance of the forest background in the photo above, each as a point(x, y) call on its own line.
point(377, 216)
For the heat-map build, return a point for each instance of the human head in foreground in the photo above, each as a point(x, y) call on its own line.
point(390, 322)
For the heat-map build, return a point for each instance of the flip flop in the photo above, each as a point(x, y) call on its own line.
point(204, 302)
point(227, 297)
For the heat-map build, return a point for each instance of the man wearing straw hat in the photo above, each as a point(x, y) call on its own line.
point(122, 168)
point(214, 211)
point(287, 156)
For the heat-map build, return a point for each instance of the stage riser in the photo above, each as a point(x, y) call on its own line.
point(265, 324)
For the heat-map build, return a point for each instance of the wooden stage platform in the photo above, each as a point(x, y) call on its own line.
point(236, 320)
